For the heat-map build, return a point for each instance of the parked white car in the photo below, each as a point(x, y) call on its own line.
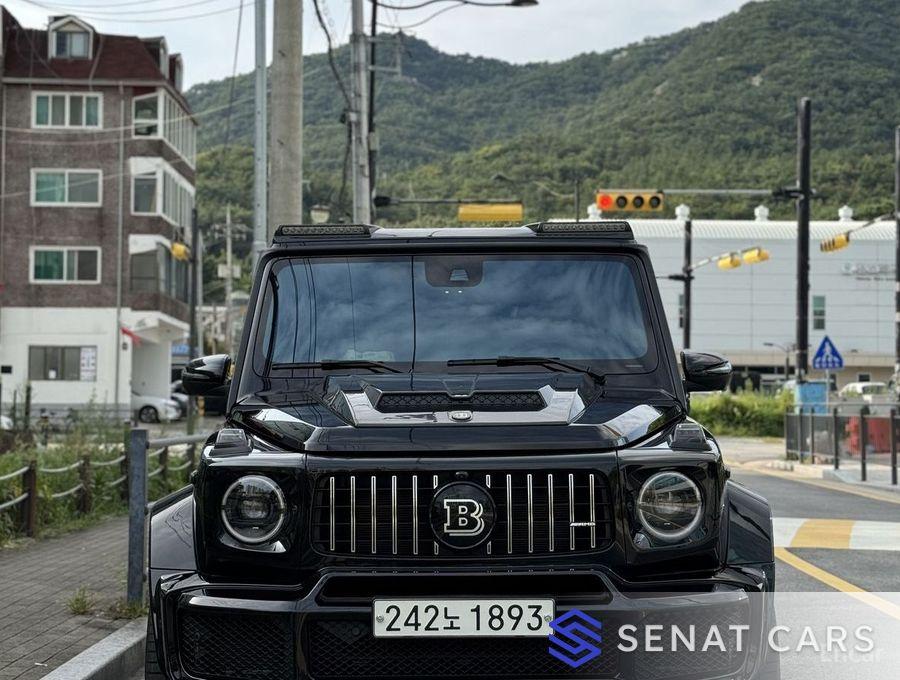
point(870, 392)
point(154, 409)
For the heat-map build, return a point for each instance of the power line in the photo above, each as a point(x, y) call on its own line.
point(459, 3)
point(234, 67)
point(331, 62)
point(172, 8)
point(53, 8)
point(425, 3)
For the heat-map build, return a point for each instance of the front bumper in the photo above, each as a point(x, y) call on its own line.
point(225, 631)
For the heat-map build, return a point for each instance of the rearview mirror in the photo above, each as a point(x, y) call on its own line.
point(705, 372)
point(206, 375)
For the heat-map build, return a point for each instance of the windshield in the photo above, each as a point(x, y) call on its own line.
point(421, 311)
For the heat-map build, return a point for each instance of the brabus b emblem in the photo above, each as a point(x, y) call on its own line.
point(462, 515)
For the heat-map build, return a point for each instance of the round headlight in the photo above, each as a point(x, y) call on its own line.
point(253, 509)
point(669, 506)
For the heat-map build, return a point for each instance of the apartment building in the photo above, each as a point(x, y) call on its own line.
point(97, 162)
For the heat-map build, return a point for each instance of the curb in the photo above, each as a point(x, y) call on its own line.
point(117, 656)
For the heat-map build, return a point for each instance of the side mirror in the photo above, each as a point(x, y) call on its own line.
point(705, 372)
point(206, 375)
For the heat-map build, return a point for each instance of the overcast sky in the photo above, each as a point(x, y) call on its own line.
point(552, 31)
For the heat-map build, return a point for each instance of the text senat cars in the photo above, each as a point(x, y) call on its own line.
point(440, 446)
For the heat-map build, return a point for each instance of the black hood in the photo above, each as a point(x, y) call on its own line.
point(457, 412)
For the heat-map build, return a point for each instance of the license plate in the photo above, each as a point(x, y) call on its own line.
point(462, 618)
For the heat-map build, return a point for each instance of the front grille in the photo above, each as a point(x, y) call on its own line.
point(712, 662)
point(405, 402)
point(347, 649)
point(245, 646)
point(387, 515)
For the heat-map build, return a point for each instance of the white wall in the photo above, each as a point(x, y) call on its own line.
point(21, 327)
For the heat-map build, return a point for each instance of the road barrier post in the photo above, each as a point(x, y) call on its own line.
point(863, 436)
point(835, 442)
point(29, 508)
point(85, 497)
point(893, 432)
point(137, 505)
point(812, 434)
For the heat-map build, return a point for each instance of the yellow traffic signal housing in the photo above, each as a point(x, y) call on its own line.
point(491, 212)
point(829, 245)
point(730, 261)
point(180, 251)
point(629, 200)
point(755, 255)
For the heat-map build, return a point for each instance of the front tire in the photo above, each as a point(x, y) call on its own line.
point(152, 670)
point(148, 414)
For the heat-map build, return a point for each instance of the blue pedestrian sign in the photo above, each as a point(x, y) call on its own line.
point(827, 357)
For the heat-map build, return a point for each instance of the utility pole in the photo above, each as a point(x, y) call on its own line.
point(196, 268)
point(373, 138)
point(803, 195)
point(688, 274)
point(897, 253)
point(359, 118)
point(229, 278)
point(260, 138)
point(286, 205)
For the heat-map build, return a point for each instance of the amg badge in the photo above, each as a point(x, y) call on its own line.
point(462, 515)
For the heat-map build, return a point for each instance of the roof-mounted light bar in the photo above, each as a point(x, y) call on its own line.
point(616, 229)
point(297, 232)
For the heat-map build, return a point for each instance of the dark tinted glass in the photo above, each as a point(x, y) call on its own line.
point(435, 308)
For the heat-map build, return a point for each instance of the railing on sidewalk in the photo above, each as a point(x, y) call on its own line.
point(28, 496)
point(838, 437)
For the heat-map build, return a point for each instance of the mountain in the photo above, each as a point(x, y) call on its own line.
point(709, 106)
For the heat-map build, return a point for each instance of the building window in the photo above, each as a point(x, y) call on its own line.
point(144, 191)
point(818, 317)
point(62, 363)
point(63, 187)
point(65, 265)
point(863, 377)
point(64, 110)
point(146, 115)
point(70, 44)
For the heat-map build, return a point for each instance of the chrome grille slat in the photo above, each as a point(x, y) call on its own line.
point(415, 503)
point(571, 511)
point(532, 511)
point(394, 514)
point(353, 513)
point(551, 520)
point(373, 494)
point(331, 514)
point(530, 515)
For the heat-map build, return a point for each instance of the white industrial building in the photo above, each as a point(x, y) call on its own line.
point(737, 311)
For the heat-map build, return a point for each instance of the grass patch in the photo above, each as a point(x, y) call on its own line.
point(120, 609)
point(81, 603)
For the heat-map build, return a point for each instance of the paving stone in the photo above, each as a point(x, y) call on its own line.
point(37, 631)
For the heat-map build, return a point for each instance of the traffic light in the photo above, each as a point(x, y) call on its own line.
point(729, 261)
point(629, 200)
point(755, 255)
point(829, 245)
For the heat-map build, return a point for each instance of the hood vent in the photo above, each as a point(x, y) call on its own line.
point(408, 402)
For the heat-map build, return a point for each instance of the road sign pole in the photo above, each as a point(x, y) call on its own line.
point(804, 124)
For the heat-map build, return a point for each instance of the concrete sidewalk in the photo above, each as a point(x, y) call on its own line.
point(37, 630)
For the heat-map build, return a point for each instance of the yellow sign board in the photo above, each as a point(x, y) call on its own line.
point(491, 212)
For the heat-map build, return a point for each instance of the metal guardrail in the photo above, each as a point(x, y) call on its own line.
point(838, 436)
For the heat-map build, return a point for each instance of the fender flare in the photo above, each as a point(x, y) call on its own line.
point(749, 537)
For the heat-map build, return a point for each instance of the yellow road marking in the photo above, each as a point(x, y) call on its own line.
point(823, 533)
point(822, 484)
point(836, 582)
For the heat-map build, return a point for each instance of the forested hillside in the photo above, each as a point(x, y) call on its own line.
point(709, 106)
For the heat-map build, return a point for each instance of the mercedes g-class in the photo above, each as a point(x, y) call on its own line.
point(460, 452)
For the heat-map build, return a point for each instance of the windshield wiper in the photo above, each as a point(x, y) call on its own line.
point(336, 364)
point(549, 362)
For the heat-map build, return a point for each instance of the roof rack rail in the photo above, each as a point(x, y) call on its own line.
point(289, 233)
point(612, 229)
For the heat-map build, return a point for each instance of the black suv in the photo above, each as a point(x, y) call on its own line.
point(459, 453)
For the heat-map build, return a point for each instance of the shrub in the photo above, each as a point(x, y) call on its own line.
point(742, 414)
